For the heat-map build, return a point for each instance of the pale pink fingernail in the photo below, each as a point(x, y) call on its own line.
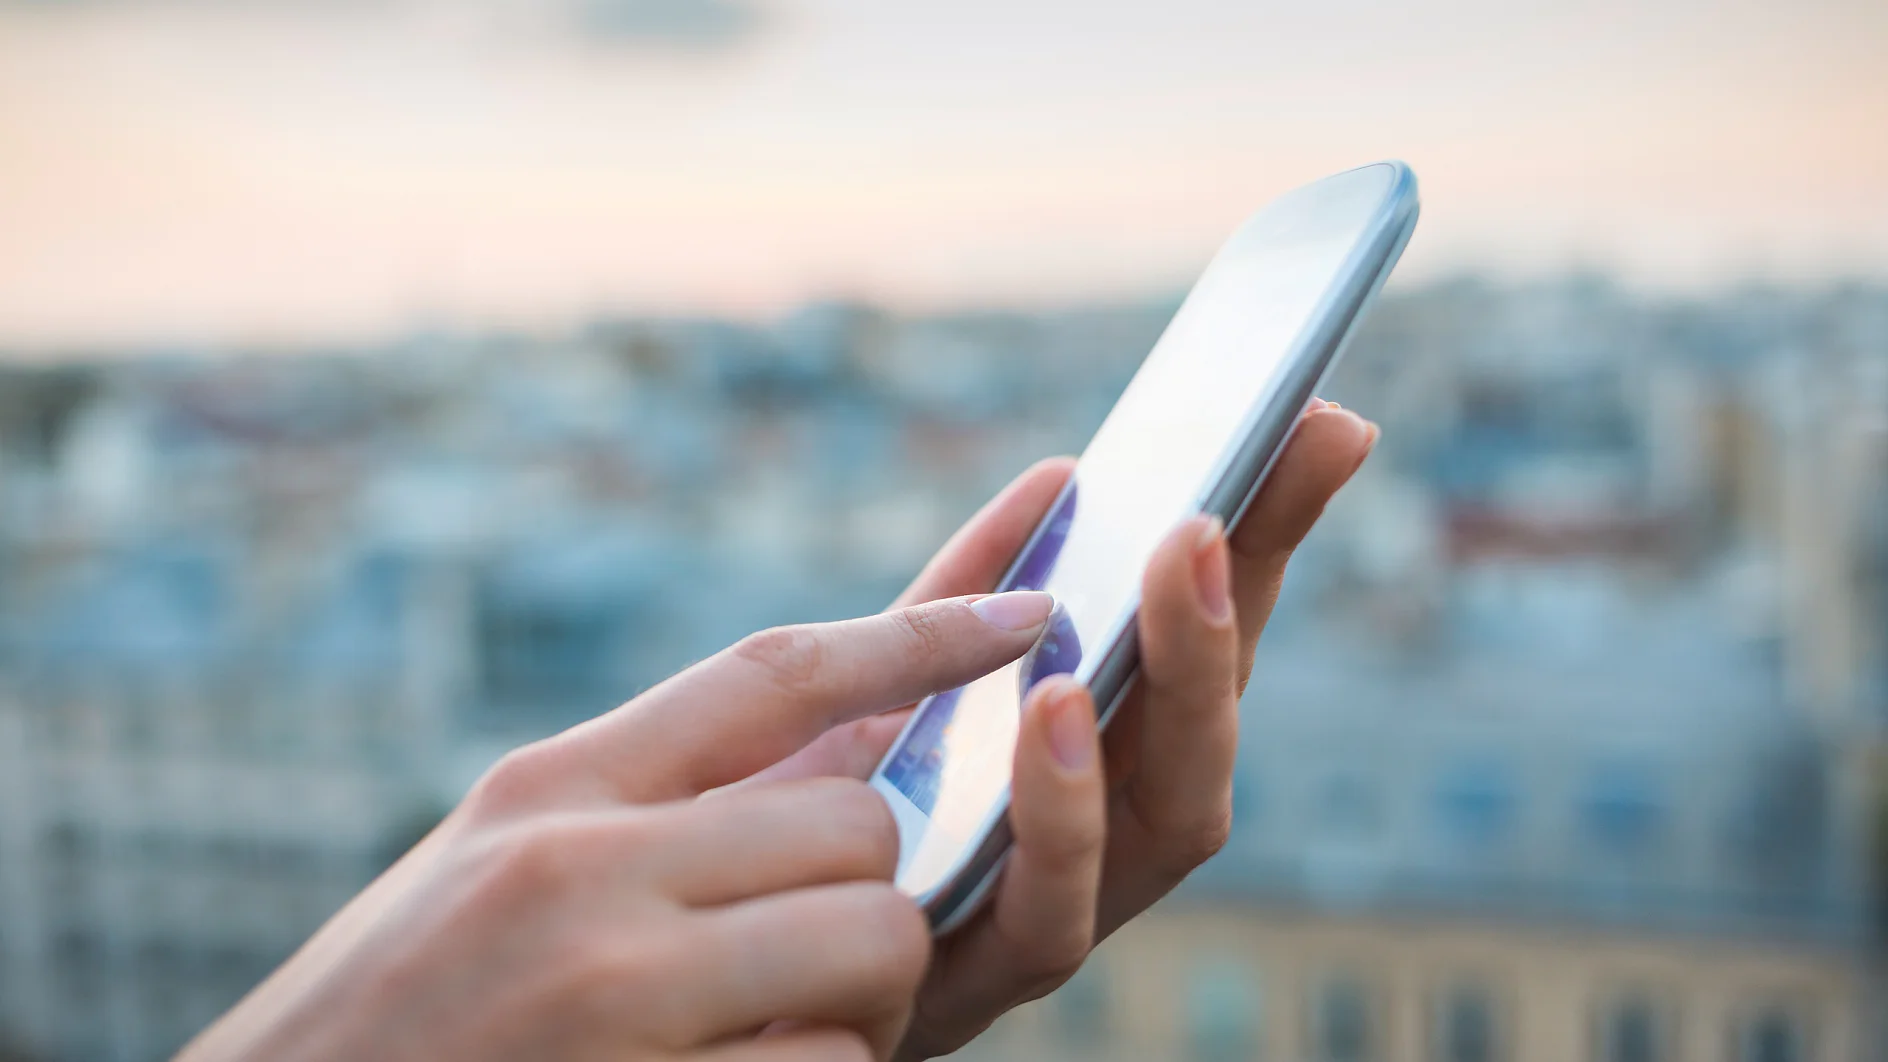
point(1371, 434)
point(1071, 729)
point(1018, 610)
point(1212, 575)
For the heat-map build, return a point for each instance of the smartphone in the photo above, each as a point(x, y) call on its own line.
point(1195, 431)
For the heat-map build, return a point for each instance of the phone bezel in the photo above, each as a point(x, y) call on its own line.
point(1263, 438)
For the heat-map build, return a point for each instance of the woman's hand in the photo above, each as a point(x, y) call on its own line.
point(586, 901)
point(1098, 841)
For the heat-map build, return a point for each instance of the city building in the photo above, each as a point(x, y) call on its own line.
point(1566, 741)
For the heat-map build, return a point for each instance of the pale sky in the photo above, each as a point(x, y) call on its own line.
point(294, 170)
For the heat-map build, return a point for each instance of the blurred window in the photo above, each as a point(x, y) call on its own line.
point(79, 961)
point(538, 653)
point(68, 840)
point(1632, 1029)
point(1774, 1034)
point(1224, 1013)
point(1776, 821)
point(1468, 1026)
point(1343, 1025)
point(1475, 803)
point(1081, 1006)
point(1622, 807)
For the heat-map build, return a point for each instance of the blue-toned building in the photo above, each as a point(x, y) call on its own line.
point(1562, 746)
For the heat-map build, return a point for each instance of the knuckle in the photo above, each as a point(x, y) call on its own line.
point(791, 657)
point(535, 861)
point(1192, 844)
point(1069, 845)
point(1060, 963)
point(855, 820)
point(671, 1002)
point(1072, 852)
point(595, 980)
point(606, 982)
point(1045, 957)
point(923, 628)
point(898, 937)
point(845, 1045)
point(871, 827)
point(520, 779)
point(1221, 696)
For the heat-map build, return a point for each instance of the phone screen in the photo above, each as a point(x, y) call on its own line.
point(1151, 464)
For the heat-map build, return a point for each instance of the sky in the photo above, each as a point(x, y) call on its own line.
point(179, 171)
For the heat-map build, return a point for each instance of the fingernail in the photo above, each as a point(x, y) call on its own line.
point(1018, 610)
point(1071, 731)
point(1371, 434)
point(1328, 404)
point(1211, 572)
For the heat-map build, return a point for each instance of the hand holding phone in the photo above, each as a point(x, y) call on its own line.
point(1195, 432)
point(582, 899)
point(596, 896)
point(1118, 837)
point(1174, 728)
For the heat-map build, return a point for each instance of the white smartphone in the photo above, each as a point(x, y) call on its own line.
point(1195, 431)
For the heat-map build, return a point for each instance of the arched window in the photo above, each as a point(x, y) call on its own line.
point(1468, 1026)
point(1343, 1022)
point(1774, 1034)
point(1632, 1027)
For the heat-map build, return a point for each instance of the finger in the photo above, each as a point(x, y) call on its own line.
point(1043, 921)
point(1328, 446)
point(774, 692)
point(983, 549)
point(1181, 792)
point(1058, 815)
point(757, 840)
point(970, 563)
point(797, 1045)
point(851, 750)
point(847, 955)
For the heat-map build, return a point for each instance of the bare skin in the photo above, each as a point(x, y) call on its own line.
point(1095, 848)
point(700, 874)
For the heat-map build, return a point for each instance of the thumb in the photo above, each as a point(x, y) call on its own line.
point(773, 692)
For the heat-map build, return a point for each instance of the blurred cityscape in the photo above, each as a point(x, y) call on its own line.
point(1568, 740)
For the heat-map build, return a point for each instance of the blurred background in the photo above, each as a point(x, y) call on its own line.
point(388, 382)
